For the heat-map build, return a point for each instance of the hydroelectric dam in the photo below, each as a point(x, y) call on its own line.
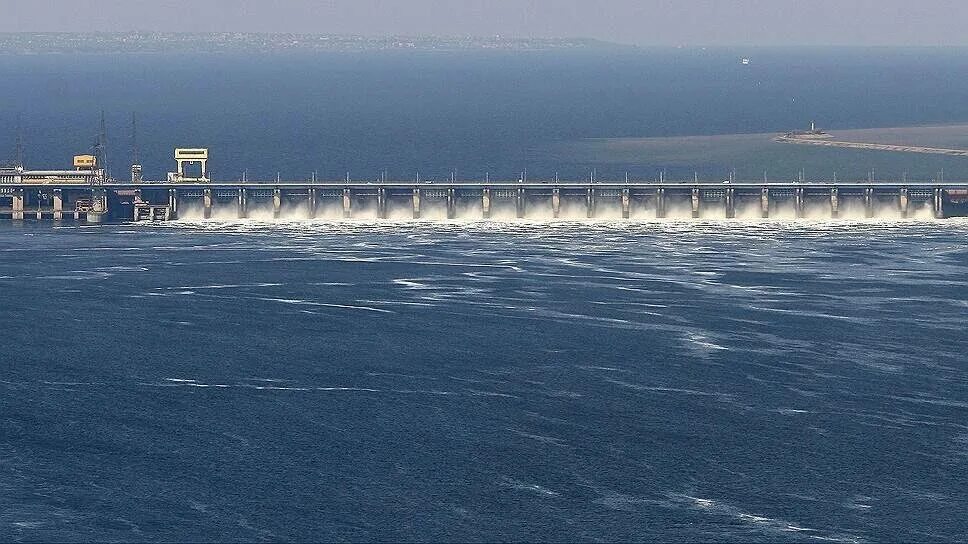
point(86, 194)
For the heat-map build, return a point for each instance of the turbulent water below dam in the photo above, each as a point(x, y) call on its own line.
point(675, 210)
point(666, 380)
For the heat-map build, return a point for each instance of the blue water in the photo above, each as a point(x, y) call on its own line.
point(693, 381)
point(475, 113)
point(671, 381)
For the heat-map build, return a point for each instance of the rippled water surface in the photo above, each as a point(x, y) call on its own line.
point(416, 381)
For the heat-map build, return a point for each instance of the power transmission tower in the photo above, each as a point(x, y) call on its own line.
point(20, 142)
point(100, 149)
point(135, 152)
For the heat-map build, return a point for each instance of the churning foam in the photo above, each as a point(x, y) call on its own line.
point(572, 212)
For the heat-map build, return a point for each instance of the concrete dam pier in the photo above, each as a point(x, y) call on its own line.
point(162, 201)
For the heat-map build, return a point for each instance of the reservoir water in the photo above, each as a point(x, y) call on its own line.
point(714, 381)
point(480, 113)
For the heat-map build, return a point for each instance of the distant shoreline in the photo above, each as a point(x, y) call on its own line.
point(32, 43)
point(877, 133)
point(759, 151)
point(801, 140)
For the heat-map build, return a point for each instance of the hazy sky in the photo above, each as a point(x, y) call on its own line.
point(645, 22)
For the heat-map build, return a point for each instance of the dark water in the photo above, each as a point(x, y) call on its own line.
point(501, 113)
point(665, 381)
point(416, 381)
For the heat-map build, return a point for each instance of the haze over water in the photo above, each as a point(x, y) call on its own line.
point(677, 380)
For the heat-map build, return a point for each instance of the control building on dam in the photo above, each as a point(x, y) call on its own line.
point(84, 193)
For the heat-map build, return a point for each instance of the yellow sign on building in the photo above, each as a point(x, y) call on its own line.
point(85, 161)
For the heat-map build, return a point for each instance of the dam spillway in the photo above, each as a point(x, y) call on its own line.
point(88, 193)
point(45, 197)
